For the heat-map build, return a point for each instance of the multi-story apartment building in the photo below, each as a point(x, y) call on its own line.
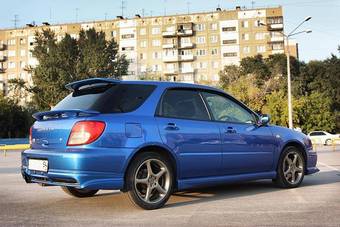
point(188, 47)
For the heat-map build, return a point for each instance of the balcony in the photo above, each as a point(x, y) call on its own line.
point(185, 32)
point(275, 27)
point(169, 34)
point(188, 57)
point(168, 46)
point(2, 58)
point(186, 45)
point(170, 58)
point(187, 70)
point(276, 39)
point(170, 71)
point(2, 46)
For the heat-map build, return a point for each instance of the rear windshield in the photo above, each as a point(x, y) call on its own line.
point(107, 98)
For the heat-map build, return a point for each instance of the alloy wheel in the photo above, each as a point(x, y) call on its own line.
point(293, 167)
point(152, 181)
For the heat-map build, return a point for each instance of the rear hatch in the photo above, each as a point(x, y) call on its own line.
point(88, 98)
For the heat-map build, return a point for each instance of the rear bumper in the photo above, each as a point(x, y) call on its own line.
point(312, 159)
point(100, 168)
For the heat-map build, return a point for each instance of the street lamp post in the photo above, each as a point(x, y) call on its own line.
point(289, 90)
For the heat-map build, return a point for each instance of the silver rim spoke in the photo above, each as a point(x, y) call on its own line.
point(152, 181)
point(292, 167)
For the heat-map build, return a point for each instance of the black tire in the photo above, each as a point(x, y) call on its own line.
point(328, 142)
point(79, 193)
point(281, 179)
point(138, 171)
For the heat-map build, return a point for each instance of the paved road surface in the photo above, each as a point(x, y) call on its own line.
point(315, 203)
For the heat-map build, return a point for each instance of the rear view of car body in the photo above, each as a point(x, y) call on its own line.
point(97, 164)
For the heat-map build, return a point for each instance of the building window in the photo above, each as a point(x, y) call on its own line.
point(230, 54)
point(142, 56)
point(229, 41)
point(128, 36)
point(214, 39)
point(200, 27)
point(274, 20)
point(22, 41)
point(277, 46)
point(142, 31)
point(216, 77)
point(184, 40)
point(214, 64)
point(22, 76)
point(213, 26)
point(155, 55)
point(11, 53)
point(22, 64)
point(246, 49)
point(260, 49)
point(201, 52)
point(156, 42)
point(245, 36)
point(260, 36)
point(113, 33)
point(11, 42)
point(156, 30)
point(201, 39)
point(214, 51)
point(143, 43)
point(128, 48)
point(11, 65)
point(229, 29)
point(156, 68)
point(202, 65)
point(244, 24)
point(12, 76)
point(257, 23)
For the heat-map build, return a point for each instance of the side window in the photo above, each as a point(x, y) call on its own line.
point(179, 103)
point(224, 109)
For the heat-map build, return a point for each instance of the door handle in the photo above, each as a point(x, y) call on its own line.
point(230, 130)
point(171, 126)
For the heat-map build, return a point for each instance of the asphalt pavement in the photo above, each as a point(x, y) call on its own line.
point(258, 203)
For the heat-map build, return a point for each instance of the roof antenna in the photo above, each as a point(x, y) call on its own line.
point(123, 7)
point(16, 20)
point(252, 4)
point(77, 9)
point(164, 7)
point(188, 6)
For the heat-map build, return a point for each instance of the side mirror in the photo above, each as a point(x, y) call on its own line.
point(264, 119)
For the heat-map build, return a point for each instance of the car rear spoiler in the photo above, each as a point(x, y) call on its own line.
point(77, 84)
point(63, 113)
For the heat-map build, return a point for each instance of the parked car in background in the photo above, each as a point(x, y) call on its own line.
point(149, 139)
point(322, 137)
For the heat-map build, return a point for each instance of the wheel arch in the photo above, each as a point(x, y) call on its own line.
point(157, 148)
point(299, 146)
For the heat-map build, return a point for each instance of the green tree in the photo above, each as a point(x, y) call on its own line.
point(69, 60)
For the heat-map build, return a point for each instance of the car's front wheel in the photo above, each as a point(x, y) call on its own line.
point(150, 180)
point(291, 168)
point(80, 193)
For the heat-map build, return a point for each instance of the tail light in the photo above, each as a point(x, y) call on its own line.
point(85, 132)
point(30, 136)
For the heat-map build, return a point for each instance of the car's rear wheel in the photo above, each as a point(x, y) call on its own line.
point(328, 142)
point(80, 193)
point(291, 168)
point(149, 180)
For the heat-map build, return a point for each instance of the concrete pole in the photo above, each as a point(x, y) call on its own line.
point(290, 108)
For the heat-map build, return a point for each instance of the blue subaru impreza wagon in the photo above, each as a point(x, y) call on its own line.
point(151, 138)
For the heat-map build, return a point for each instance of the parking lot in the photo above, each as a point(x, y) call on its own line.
point(315, 203)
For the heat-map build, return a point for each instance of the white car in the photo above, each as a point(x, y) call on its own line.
point(322, 137)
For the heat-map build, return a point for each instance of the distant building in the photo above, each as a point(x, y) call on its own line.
point(188, 47)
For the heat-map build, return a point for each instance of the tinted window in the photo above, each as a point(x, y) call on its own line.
point(107, 98)
point(317, 134)
point(185, 104)
point(224, 109)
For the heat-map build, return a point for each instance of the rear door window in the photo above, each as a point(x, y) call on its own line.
point(107, 98)
point(183, 104)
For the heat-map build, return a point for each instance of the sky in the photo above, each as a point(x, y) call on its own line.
point(318, 45)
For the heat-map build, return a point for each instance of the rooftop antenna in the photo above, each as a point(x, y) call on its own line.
point(164, 7)
point(16, 20)
point(151, 13)
point(50, 14)
point(105, 16)
point(188, 6)
point(143, 12)
point(123, 7)
point(77, 9)
point(252, 4)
